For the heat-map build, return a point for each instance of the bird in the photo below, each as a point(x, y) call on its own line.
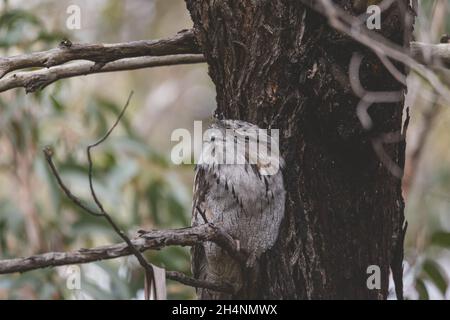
point(238, 184)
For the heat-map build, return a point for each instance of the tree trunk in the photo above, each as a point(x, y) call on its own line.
point(277, 64)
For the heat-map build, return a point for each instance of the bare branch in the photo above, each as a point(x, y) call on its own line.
point(429, 116)
point(181, 43)
point(431, 54)
point(39, 79)
point(221, 237)
point(150, 275)
point(180, 49)
point(148, 240)
point(154, 240)
point(48, 155)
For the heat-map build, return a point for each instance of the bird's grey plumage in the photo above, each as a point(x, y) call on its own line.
point(247, 199)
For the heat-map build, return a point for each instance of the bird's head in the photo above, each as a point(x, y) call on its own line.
point(236, 142)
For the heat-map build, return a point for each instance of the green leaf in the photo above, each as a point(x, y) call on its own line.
point(122, 173)
point(441, 238)
point(176, 210)
point(18, 27)
point(436, 274)
point(90, 226)
point(154, 195)
point(13, 18)
point(57, 105)
point(422, 290)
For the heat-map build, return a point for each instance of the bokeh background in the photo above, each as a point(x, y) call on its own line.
point(134, 176)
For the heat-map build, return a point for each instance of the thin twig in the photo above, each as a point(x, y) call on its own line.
point(95, 144)
point(48, 154)
point(142, 261)
point(211, 233)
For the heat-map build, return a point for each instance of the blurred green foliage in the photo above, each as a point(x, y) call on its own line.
point(135, 182)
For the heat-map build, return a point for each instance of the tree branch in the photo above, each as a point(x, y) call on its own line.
point(39, 79)
point(182, 43)
point(179, 49)
point(348, 24)
point(221, 237)
point(48, 152)
point(148, 240)
point(431, 53)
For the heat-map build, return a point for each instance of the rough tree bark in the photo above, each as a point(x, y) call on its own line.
point(277, 64)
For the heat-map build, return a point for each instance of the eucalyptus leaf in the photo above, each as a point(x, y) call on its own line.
point(422, 290)
point(436, 274)
point(441, 238)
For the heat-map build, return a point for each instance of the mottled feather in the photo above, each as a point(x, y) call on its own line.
point(248, 200)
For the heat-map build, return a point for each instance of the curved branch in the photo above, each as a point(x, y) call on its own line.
point(39, 79)
point(182, 43)
point(48, 152)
